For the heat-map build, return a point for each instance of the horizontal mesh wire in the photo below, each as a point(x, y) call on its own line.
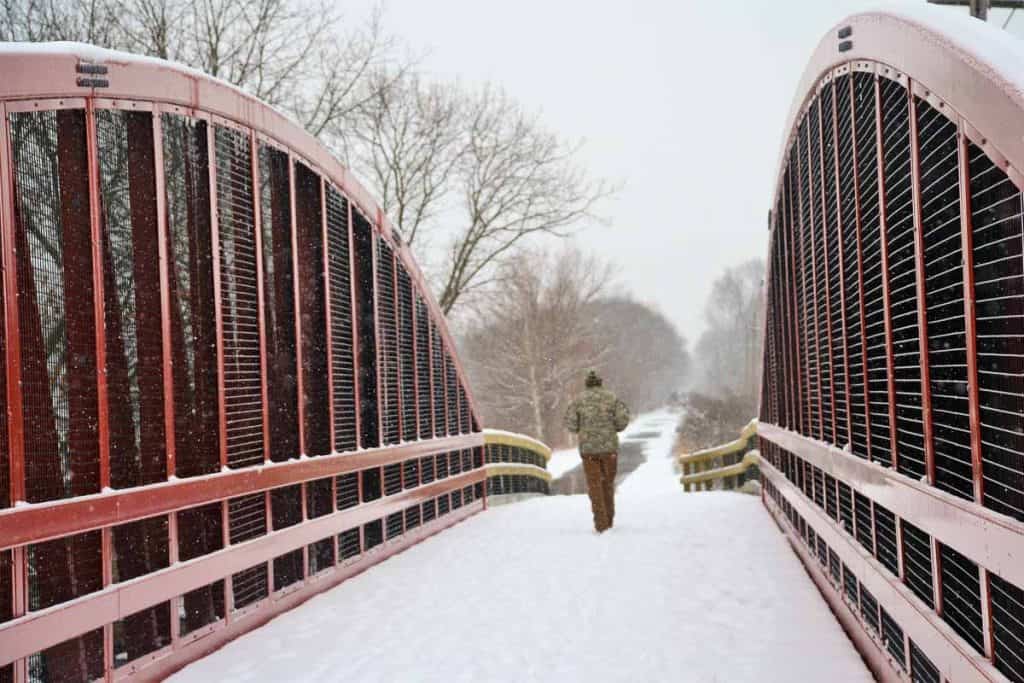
point(442, 465)
point(467, 460)
point(191, 293)
point(944, 297)
point(64, 569)
point(437, 380)
point(1007, 628)
point(200, 531)
point(515, 483)
point(819, 311)
point(347, 490)
point(869, 609)
point(831, 498)
point(321, 555)
point(140, 548)
point(287, 569)
point(922, 670)
point(314, 371)
point(6, 586)
point(998, 227)
point(373, 534)
point(239, 305)
point(846, 507)
point(832, 304)
point(850, 587)
point(478, 489)
point(279, 301)
point(822, 552)
point(412, 517)
point(819, 488)
point(456, 497)
point(886, 546)
point(411, 473)
point(850, 242)
point(423, 356)
point(392, 479)
point(362, 258)
point(917, 562)
point(319, 498)
point(285, 506)
point(77, 659)
point(862, 519)
point(872, 287)
point(406, 353)
point(427, 470)
point(468, 494)
point(55, 305)
point(247, 517)
point(892, 638)
point(131, 295)
point(961, 596)
point(902, 279)
point(452, 395)
point(443, 505)
point(249, 586)
point(142, 633)
point(465, 417)
point(808, 299)
point(794, 267)
point(372, 485)
point(201, 607)
point(454, 463)
point(342, 357)
point(834, 566)
point(387, 330)
point(429, 511)
point(395, 525)
point(349, 544)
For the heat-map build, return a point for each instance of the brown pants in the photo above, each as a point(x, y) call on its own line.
point(600, 471)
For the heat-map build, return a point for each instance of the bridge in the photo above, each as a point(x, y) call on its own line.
point(227, 389)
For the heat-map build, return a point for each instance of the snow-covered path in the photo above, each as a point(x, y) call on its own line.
point(698, 587)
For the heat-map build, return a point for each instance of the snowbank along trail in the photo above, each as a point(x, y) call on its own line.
point(686, 587)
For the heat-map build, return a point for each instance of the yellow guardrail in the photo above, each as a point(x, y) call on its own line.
point(727, 463)
point(497, 436)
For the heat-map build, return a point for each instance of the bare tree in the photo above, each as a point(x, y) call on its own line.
point(729, 351)
point(535, 338)
point(408, 140)
point(517, 180)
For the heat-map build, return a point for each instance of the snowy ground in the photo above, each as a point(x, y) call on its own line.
point(686, 587)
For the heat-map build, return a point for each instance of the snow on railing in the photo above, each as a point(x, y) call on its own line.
point(515, 464)
point(727, 466)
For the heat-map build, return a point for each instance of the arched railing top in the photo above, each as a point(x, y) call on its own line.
point(75, 71)
point(968, 65)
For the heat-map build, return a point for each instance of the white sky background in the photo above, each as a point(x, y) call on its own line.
point(681, 101)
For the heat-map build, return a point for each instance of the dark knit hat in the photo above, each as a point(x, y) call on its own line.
point(593, 379)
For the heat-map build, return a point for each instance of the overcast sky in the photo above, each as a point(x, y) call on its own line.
point(683, 101)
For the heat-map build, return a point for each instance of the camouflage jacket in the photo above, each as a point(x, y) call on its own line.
point(597, 416)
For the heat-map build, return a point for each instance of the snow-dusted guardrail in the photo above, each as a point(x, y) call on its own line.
point(515, 464)
point(726, 465)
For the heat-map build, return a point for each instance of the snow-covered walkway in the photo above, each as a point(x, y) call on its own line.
point(698, 587)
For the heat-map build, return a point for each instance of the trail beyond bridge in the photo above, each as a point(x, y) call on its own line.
point(685, 587)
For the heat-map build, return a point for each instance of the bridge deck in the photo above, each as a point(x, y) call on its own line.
point(697, 587)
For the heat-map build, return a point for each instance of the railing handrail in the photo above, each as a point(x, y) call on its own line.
point(736, 445)
point(751, 459)
point(500, 436)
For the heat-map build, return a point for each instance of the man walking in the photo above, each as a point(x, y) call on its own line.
point(598, 416)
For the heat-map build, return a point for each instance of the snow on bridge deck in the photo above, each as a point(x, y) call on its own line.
point(686, 587)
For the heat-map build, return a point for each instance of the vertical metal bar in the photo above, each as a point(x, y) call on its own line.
point(798, 357)
point(862, 309)
point(229, 593)
point(297, 296)
point(883, 246)
point(415, 360)
point(840, 245)
point(172, 558)
point(922, 292)
point(900, 560)
point(430, 375)
point(218, 312)
point(381, 370)
point(937, 575)
point(19, 604)
point(261, 323)
point(96, 224)
point(970, 313)
point(107, 555)
point(328, 336)
point(395, 310)
point(987, 626)
point(165, 299)
point(826, 278)
point(814, 277)
point(356, 381)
